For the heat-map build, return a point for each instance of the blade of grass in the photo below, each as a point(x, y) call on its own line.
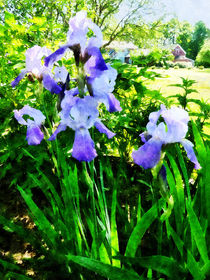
point(199, 145)
point(193, 267)
point(141, 227)
point(16, 276)
point(177, 240)
point(41, 221)
point(9, 266)
point(114, 233)
point(179, 184)
point(197, 232)
point(162, 264)
point(172, 186)
point(184, 171)
point(108, 271)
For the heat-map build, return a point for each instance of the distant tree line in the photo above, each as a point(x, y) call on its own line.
point(118, 19)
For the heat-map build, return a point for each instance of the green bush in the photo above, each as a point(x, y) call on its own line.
point(155, 57)
point(183, 64)
point(203, 57)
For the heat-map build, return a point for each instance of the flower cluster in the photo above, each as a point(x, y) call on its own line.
point(95, 80)
point(172, 130)
point(37, 70)
point(95, 84)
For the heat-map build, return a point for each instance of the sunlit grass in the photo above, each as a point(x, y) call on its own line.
point(172, 76)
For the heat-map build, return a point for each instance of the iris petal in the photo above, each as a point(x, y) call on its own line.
point(149, 154)
point(103, 129)
point(50, 84)
point(34, 135)
point(83, 147)
point(19, 78)
point(60, 128)
point(114, 104)
point(28, 110)
point(95, 64)
point(188, 146)
point(57, 55)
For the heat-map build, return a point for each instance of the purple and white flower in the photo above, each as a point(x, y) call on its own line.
point(78, 29)
point(77, 39)
point(35, 67)
point(102, 87)
point(34, 134)
point(80, 115)
point(173, 130)
point(99, 76)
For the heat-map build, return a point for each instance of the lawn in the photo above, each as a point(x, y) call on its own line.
point(172, 76)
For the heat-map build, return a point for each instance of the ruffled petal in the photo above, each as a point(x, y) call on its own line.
point(34, 113)
point(50, 84)
point(97, 40)
point(176, 131)
point(160, 133)
point(34, 57)
point(95, 64)
point(149, 154)
point(68, 102)
point(19, 78)
point(60, 74)
point(57, 55)
point(103, 129)
point(114, 104)
point(153, 118)
point(175, 113)
point(60, 128)
point(145, 136)
point(34, 135)
point(83, 147)
point(188, 146)
point(78, 28)
point(105, 83)
point(176, 119)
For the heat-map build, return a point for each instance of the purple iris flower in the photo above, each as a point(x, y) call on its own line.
point(80, 115)
point(34, 134)
point(35, 66)
point(78, 29)
point(100, 77)
point(102, 87)
point(173, 130)
point(79, 26)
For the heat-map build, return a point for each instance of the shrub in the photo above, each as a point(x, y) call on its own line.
point(183, 64)
point(203, 57)
point(155, 57)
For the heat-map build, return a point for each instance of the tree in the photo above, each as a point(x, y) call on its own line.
point(111, 16)
point(114, 16)
point(184, 36)
point(201, 32)
point(170, 31)
point(143, 35)
point(203, 57)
